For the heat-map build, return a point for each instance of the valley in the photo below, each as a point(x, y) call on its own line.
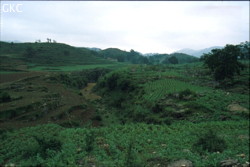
point(68, 106)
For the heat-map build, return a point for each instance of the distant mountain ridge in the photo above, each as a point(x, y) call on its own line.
point(197, 53)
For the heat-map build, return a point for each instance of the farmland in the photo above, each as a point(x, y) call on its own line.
point(98, 112)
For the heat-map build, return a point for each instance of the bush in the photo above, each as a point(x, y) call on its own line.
point(5, 97)
point(157, 108)
point(97, 118)
point(89, 140)
point(119, 81)
point(131, 157)
point(185, 93)
point(47, 144)
point(209, 141)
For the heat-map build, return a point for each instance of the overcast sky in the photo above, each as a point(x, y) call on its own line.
point(147, 27)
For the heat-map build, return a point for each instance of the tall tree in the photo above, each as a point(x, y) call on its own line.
point(173, 60)
point(245, 49)
point(224, 63)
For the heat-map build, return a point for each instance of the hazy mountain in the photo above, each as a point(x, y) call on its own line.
point(94, 49)
point(197, 53)
point(150, 54)
point(15, 41)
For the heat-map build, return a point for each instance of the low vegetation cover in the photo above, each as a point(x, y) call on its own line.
point(124, 114)
point(126, 145)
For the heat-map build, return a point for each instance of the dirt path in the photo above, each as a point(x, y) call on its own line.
point(88, 94)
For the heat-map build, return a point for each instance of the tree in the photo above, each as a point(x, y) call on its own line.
point(120, 58)
point(5, 97)
point(38, 41)
point(29, 52)
point(245, 49)
point(224, 63)
point(173, 60)
point(133, 56)
point(142, 60)
point(48, 40)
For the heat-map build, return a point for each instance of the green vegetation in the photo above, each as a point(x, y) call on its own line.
point(137, 112)
point(75, 67)
point(224, 62)
point(5, 97)
point(211, 142)
point(121, 145)
point(173, 58)
point(50, 56)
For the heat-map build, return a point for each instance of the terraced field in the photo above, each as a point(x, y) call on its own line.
point(157, 89)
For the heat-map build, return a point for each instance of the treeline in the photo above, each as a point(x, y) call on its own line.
point(61, 54)
point(135, 57)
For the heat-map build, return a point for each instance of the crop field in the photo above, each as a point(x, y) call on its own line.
point(157, 89)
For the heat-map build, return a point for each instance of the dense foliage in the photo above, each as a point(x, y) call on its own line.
point(80, 79)
point(123, 146)
point(224, 62)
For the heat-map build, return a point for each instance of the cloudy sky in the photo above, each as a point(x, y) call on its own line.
point(147, 27)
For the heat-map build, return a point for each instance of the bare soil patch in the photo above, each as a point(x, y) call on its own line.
point(88, 94)
point(17, 76)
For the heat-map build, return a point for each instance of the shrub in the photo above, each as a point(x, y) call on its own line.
point(209, 141)
point(5, 97)
point(90, 137)
point(157, 108)
point(117, 81)
point(185, 93)
point(48, 144)
point(131, 159)
point(97, 118)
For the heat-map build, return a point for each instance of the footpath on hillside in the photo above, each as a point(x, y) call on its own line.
point(88, 94)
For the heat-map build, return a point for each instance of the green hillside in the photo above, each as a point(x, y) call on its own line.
point(164, 58)
point(137, 58)
point(114, 53)
point(46, 54)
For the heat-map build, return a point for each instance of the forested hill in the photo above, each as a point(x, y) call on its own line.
point(179, 58)
point(137, 58)
point(49, 54)
point(59, 54)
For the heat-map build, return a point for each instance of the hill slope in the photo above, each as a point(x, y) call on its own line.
point(197, 53)
point(55, 54)
point(163, 58)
